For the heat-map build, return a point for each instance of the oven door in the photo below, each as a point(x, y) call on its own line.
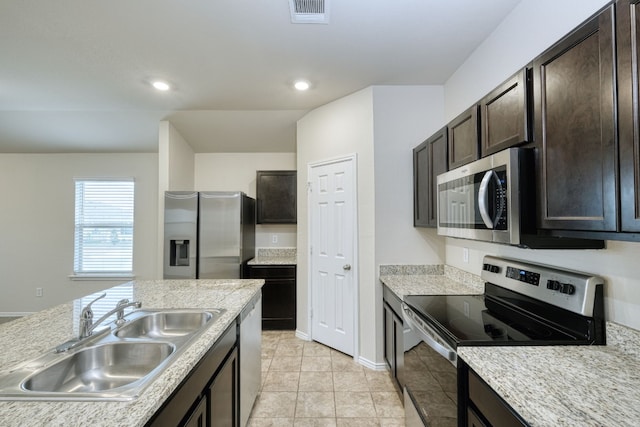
point(430, 391)
point(479, 201)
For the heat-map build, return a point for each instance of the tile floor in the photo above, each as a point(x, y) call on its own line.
point(307, 384)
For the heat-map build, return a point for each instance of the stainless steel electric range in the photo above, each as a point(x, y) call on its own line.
point(523, 304)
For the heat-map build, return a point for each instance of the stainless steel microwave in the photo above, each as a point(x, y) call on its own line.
point(482, 200)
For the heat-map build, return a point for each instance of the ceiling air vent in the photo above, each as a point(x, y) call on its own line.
point(309, 11)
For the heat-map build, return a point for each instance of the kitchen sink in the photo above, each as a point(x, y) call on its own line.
point(116, 363)
point(166, 324)
point(101, 367)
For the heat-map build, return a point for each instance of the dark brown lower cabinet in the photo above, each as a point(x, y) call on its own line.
point(198, 417)
point(393, 336)
point(208, 396)
point(223, 394)
point(479, 405)
point(278, 295)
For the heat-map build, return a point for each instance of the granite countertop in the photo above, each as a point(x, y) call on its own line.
point(429, 280)
point(546, 385)
point(274, 256)
point(30, 336)
point(566, 385)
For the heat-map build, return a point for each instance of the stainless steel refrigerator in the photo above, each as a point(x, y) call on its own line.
point(208, 234)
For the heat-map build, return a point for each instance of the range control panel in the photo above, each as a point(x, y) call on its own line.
point(567, 289)
point(525, 276)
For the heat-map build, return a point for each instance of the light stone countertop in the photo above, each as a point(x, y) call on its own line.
point(566, 386)
point(32, 335)
point(429, 280)
point(547, 386)
point(274, 256)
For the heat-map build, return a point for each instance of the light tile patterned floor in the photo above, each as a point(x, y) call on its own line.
point(305, 384)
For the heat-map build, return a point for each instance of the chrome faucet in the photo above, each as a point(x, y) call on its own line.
point(87, 325)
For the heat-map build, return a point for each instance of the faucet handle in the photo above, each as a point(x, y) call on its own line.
point(86, 312)
point(122, 302)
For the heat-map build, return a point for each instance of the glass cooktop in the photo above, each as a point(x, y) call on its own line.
point(476, 320)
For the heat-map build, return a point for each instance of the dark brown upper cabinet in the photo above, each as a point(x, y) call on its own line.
point(628, 44)
point(504, 115)
point(276, 194)
point(429, 161)
point(575, 129)
point(463, 138)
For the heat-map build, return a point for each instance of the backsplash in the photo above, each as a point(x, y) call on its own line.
point(448, 271)
point(276, 252)
point(410, 270)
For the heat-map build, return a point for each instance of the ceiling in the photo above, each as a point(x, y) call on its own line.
point(75, 73)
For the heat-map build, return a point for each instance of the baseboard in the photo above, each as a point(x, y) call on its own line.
point(302, 335)
point(372, 365)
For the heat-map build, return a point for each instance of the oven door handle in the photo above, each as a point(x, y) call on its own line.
point(483, 193)
point(427, 335)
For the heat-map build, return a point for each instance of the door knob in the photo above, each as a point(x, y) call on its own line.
point(346, 267)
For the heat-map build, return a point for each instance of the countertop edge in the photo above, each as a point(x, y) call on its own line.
point(232, 295)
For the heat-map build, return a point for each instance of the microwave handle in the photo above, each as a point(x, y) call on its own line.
point(483, 193)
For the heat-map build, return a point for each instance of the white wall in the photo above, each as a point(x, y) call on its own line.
point(531, 28)
point(381, 124)
point(237, 172)
point(180, 159)
point(404, 116)
point(176, 164)
point(37, 223)
point(338, 129)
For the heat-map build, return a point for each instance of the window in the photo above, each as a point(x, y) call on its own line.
point(103, 228)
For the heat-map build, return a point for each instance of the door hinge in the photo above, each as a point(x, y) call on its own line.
point(309, 189)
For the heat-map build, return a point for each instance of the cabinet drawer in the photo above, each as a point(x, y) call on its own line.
point(280, 272)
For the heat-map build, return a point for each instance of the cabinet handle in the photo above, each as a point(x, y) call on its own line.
point(346, 267)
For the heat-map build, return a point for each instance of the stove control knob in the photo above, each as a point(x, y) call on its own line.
point(491, 268)
point(553, 285)
point(567, 288)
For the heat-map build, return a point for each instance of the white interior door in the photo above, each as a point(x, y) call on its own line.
point(333, 269)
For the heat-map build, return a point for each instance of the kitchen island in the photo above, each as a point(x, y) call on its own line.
point(29, 337)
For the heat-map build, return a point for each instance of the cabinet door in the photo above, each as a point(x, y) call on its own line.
point(198, 417)
point(223, 394)
point(504, 115)
point(463, 138)
point(278, 296)
point(398, 335)
point(628, 36)
point(389, 339)
point(574, 89)
point(429, 161)
point(394, 345)
point(276, 196)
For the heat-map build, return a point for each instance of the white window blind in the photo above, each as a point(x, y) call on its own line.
point(104, 227)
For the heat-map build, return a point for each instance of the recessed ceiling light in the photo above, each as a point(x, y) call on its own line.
point(301, 85)
point(160, 85)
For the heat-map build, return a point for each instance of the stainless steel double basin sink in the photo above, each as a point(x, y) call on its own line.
point(114, 364)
